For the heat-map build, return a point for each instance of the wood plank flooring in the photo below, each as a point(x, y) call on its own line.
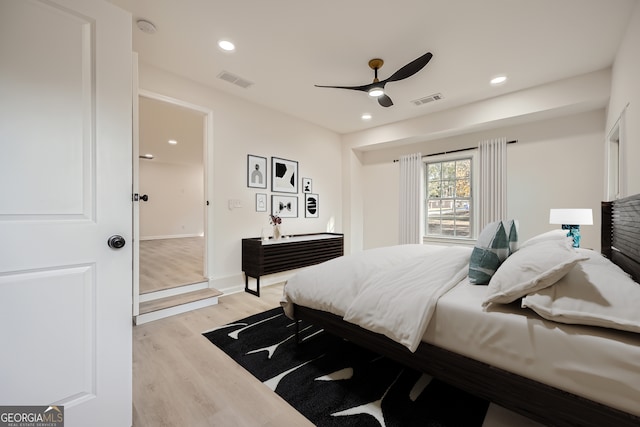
point(168, 263)
point(181, 379)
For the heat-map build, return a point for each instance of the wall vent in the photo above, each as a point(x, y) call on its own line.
point(428, 99)
point(236, 80)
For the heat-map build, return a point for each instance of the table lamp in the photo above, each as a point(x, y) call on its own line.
point(571, 220)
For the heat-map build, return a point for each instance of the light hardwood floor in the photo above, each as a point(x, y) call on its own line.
point(168, 263)
point(181, 379)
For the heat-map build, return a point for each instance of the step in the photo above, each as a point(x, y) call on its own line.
point(177, 304)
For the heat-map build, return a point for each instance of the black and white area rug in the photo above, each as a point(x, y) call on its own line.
point(333, 382)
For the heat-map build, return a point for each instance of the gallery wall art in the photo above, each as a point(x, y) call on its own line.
point(261, 202)
point(284, 175)
point(306, 185)
point(256, 171)
point(284, 206)
point(311, 205)
point(284, 179)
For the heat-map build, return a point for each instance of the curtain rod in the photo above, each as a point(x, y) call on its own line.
point(455, 151)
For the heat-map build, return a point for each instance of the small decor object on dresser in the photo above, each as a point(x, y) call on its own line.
point(284, 175)
point(275, 220)
point(311, 205)
point(256, 171)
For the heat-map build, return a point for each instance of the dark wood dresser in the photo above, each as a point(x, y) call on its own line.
point(260, 257)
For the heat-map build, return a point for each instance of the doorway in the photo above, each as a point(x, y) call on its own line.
point(171, 185)
point(615, 155)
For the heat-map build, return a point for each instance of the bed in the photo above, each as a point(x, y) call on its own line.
point(556, 373)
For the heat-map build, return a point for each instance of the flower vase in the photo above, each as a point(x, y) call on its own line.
point(276, 232)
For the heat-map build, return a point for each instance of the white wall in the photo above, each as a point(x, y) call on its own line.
point(381, 194)
point(241, 128)
point(625, 89)
point(352, 199)
point(557, 163)
point(176, 200)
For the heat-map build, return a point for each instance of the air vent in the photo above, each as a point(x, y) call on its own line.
point(428, 99)
point(232, 78)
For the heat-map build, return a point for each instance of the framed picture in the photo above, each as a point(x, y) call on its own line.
point(311, 205)
point(284, 175)
point(284, 206)
point(261, 202)
point(256, 171)
point(306, 185)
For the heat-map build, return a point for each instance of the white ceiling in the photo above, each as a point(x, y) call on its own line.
point(160, 121)
point(286, 46)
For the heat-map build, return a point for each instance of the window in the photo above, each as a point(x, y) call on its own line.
point(448, 201)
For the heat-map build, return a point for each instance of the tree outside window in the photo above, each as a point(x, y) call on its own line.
point(448, 200)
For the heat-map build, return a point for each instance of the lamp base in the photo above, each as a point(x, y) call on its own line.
point(574, 232)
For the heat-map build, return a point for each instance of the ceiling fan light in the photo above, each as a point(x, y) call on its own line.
point(375, 92)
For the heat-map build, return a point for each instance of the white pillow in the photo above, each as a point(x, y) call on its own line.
point(557, 234)
point(531, 268)
point(596, 292)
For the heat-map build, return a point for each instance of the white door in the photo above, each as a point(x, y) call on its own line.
point(135, 169)
point(65, 188)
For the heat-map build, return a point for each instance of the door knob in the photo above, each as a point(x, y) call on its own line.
point(144, 197)
point(116, 241)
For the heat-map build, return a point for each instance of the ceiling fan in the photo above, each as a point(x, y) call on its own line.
point(376, 89)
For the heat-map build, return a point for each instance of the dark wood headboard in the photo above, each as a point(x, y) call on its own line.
point(620, 238)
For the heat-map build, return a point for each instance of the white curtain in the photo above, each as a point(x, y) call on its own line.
point(493, 180)
point(410, 198)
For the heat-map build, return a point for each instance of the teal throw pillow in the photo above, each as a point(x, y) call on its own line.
point(492, 248)
point(511, 228)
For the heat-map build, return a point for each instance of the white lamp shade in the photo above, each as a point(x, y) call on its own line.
point(571, 216)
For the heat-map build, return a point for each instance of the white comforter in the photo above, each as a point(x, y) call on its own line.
point(391, 290)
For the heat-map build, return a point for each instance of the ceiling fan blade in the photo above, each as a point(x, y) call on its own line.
point(364, 88)
point(411, 68)
point(385, 101)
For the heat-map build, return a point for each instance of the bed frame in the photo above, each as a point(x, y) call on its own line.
point(620, 238)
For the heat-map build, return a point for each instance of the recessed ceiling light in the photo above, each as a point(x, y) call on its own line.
point(498, 80)
point(226, 45)
point(366, 116)
point(172, 142)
